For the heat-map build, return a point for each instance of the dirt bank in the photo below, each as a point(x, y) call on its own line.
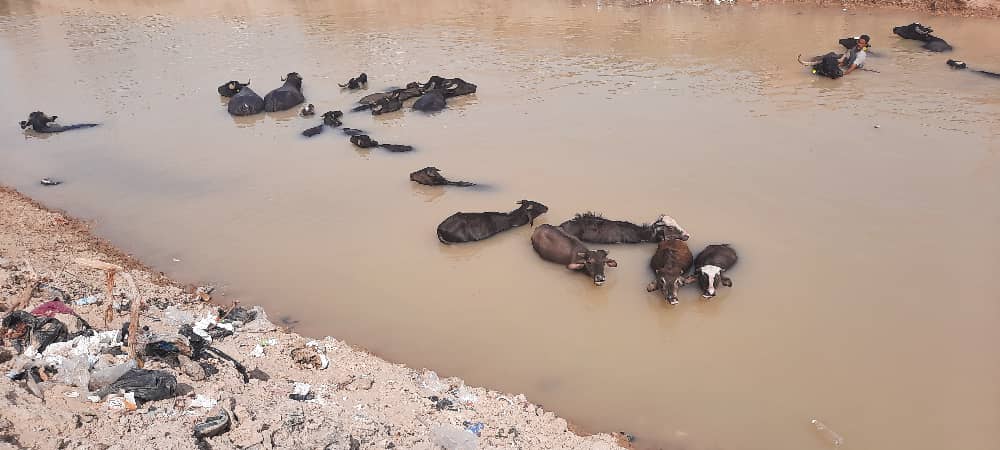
point(358, 401)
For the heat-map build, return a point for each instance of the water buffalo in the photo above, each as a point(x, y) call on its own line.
point(431, 176)
point(356, 83)
point(308, 110)
point(332, 118)
point(468, 227)
point(827, 65)
point(365, 141)
point(41, 123)
point(591, 227)
point(708, 268)
point(369, 101)
point(286, 97)
point(246, 102)
point(387, 104)
point(922, 33)
point(232, 88)
point(453, 87)
point(960, 65)
point(555, 245)
point(352, 131)
point(433, 100)
point(670, 262)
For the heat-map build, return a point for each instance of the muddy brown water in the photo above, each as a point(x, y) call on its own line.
point(865, 292)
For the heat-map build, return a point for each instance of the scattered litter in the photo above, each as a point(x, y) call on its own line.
point(74, 372)
point(50, 309)
point(473, 427)
point(453, 438)
point(441, 404)
point(430, 381)
point(876, 126)
point(146, 385)
point(301, 392)
point(465, 395)
point(214, 425)
point(47, 332)
point(116, 403)
point(49, 182)
point(258, 350)
point(89, 300)
point(309, 358)
point(176, 317)
point(102, 378)
point(204, 293)
point(130, 403)
point(72, 394)
point(828, 434)
point(202, 401)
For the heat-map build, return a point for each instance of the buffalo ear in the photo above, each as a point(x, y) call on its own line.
point(232, 85)
point(574, 266)
point(689, 279)
point(611, 263)
point(53, 118)
point(727, 282)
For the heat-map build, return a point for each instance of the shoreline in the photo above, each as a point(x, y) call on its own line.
point(359, 401)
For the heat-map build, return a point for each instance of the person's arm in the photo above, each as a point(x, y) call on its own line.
point(850, 69)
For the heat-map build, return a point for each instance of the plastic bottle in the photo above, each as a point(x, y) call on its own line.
point(827, 433)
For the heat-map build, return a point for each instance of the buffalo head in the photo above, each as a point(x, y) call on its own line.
point(232, 88)
point(665, 227)
point(37, 120)
point(709, 278)
point(592, 263)
point(294, 79)
point(531, 210)
point(914, 31)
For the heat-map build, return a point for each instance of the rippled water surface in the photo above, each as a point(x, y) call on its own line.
point(864, 295)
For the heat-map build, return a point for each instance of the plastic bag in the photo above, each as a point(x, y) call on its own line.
point(48, 331)
point(147, 385)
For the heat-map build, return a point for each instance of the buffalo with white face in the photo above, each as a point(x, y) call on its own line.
point(709, 266)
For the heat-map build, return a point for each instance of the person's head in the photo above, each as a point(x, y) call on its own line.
point(864, 41)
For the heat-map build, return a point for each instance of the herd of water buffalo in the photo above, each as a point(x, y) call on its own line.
point(828, 65)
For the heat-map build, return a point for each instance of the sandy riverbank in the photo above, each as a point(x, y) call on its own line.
point(360, 400)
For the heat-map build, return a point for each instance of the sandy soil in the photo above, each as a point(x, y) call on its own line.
point(361, 401)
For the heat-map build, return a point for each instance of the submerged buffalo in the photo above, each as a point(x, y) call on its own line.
point(555, 245)
point(709, 267)
point(591, 227)
point(387, 104)
point(452, 87)
point(41, 123)
point(670, 262)
point(369, 101)
point(356, 83)
point(960, 65)
point(468, 227)
point(433, 100)
point(330, 119)
point(365, 141)
point(246, 102)
point(286, 97)
point(308, 110)
point(431, 176)
point(919, 32)
point(232, 88)
point(827, 65)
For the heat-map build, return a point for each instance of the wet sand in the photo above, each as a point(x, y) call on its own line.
point(862, 293)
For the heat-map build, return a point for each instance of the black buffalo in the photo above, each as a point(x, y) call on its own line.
point(555, 245)
point(922, 33)
point(591, 227)
point(232, 88)
point(246, 102)
point(433, 100)
point(369, 101)
point(709, 267)
point(468, 227)
point(431, 176)
point(330, 118)
point(308, 110)
point(452, 87)
point(960, 65)
point(41, 123)
point(365, 141)
point(827, 65)
point(286, 97)
point(356, 83)
point(670, 262)
point(387, 104)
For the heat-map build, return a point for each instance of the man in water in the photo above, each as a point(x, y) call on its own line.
point(855, 57)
